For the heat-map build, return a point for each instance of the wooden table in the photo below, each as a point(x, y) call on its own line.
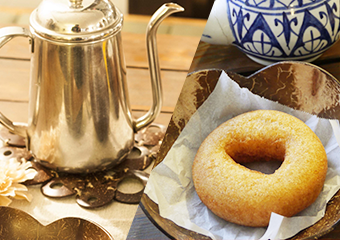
point(227, 58)
point(176, 55)
point(175, 52)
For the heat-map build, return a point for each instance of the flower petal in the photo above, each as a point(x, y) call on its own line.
point(19, 187)
point(23, 195)
point(12, 173)
point(4, 201)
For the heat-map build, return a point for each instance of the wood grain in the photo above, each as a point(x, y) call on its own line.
point(15, 75)
point(175, 52)
point(229, 58)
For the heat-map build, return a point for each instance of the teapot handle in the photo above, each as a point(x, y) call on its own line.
point(164, 11)
point(7, 34)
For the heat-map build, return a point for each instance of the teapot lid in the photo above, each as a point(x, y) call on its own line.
point(76, 20)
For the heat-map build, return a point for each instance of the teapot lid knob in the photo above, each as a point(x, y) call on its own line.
point(76, 3)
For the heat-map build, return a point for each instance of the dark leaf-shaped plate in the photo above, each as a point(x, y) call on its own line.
point(16, 224)
point(289, 83)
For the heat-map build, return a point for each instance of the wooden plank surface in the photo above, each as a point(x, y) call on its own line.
point(142, 228)
point(230, 58)
point(172, 20)
point(175, 52)
point(14, 82)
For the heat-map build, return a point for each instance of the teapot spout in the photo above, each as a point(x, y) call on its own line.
point(155, 75)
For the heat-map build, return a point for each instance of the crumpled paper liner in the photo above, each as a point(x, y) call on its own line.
point(171, 187)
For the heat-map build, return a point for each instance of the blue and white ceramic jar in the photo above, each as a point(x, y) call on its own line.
point(275, 30)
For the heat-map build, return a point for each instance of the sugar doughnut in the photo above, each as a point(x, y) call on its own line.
point(248, 197)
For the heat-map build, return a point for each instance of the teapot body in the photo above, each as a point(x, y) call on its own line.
point(271, 30)
point(79, 118)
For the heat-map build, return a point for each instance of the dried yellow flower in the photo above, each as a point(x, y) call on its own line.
point(12, 173)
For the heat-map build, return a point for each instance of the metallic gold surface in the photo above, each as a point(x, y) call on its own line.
point(16, 224)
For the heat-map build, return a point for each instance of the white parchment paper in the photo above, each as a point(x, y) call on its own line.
point(171, 187)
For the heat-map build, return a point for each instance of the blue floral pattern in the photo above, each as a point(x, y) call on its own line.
point(281, 29)
point(277, 4)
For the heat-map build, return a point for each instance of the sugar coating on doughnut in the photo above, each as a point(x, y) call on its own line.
point(248, 197)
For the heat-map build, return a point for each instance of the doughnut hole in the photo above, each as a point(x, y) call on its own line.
point(253, 155)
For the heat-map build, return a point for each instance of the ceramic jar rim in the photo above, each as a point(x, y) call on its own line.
point(278, 10)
